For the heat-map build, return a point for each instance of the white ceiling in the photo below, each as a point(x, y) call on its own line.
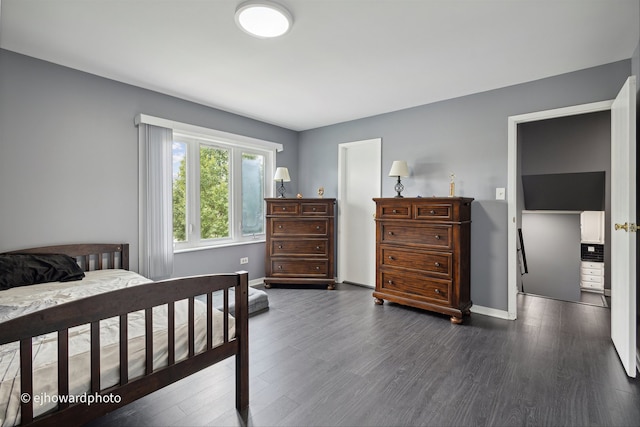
point(342, 60)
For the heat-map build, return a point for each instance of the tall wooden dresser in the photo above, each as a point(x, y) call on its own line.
point(423, 248)
point(300, 242)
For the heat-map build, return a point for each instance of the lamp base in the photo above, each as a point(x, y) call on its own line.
point(281, 190)
point(399, 187)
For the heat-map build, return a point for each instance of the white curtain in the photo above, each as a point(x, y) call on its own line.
point(156, 218)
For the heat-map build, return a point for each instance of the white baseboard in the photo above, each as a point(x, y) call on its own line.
point(256, 282)
point(487, 311)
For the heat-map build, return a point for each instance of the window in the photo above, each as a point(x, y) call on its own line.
point(218, 191)
point(216, 184)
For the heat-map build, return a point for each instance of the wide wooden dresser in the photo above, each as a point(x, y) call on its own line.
point(300, 242)
point(423, 248)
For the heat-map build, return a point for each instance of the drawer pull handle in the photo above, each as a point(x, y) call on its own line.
point(280, 226)
point(437, 264)
point(390, 233)
point(395, 211)
point(279, 246)
point(437, 291)
point(314, 209)
point(279, 267)
point(284, 209)
point(317, 268)
point(437, 237)
point(317, 248)
point(432, 212)
point(391, 258)
point(317, 227)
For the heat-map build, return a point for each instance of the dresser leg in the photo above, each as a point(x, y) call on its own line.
point(331, 286)
point(378, 301)
point(456, 320)
point(267, 286)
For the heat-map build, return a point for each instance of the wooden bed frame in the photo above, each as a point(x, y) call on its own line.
point(118, 303)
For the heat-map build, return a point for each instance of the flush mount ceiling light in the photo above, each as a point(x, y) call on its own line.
point(263, 18)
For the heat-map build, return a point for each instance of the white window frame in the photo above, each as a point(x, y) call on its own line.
point(237, 144)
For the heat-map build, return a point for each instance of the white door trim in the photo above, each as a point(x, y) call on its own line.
point(512, 181)
point(342, 211)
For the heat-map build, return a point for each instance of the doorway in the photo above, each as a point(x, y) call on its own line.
point(514, 193)
point(359, 181)
point(564, 171)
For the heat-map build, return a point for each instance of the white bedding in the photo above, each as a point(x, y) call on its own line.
point(22, 300)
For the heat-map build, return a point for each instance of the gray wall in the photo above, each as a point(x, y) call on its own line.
point(468, 136)
point(69, 159)
point(552, 247)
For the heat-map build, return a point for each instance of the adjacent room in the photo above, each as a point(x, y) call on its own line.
point(363, 213)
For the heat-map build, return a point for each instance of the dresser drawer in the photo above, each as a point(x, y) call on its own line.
point(306, 267)
point(318, 208)
point(306, 227)
point(592, 265)
point(440, 236)
point(437, 263)
point(422, 286)
point(283, 208)
point(299, 247)
point(433, 211)
point(593, 279)
point(394, 210)
point(591, 272)
point(592, 285)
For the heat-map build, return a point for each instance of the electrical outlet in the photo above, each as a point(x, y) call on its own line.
point(244, 260)
point(500, 194)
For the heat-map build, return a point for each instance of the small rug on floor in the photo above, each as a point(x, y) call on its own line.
point(258, 301)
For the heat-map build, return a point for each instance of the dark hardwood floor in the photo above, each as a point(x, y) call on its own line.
point(333, 358)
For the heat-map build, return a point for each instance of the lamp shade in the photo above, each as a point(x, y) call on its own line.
point(282, 174)
point(399, 168)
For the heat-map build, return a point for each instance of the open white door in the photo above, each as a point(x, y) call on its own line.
point(623, 222)
point(359, 179)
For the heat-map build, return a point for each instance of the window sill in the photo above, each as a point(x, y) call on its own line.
point(224, 245)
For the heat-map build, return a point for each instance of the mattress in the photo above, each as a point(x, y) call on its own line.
point(23, 300)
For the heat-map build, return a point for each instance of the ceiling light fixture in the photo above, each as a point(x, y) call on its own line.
point(263, 18)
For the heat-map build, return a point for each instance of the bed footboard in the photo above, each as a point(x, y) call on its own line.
point(119, 304)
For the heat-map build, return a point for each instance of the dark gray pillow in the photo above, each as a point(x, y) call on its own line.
point(30, 269)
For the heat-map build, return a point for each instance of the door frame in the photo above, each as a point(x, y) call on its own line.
point(342, 212)
point(512, 187)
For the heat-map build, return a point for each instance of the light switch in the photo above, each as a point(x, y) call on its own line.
point(500, 194)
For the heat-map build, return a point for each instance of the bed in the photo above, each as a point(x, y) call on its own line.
point(72, 350)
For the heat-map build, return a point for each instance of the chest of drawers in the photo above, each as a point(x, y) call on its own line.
point(300, 242)
point(592, 276)
point(423, 250)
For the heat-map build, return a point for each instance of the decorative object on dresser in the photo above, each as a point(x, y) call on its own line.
point(282, 175)
point(423, 251)
point(452, 185)
point(399, 169)
point(300, 242)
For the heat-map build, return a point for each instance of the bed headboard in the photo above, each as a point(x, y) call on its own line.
point(90, 256)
